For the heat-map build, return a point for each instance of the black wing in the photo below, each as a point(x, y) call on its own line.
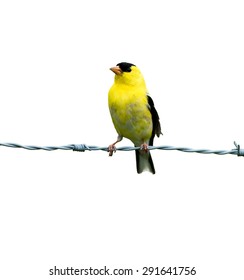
point(155, 119)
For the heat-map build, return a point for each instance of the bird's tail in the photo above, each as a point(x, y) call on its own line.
point(144, 162)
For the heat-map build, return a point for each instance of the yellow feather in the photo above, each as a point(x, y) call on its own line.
point(130, 114)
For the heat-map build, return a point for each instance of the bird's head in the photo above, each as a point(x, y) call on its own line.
point(127, 73)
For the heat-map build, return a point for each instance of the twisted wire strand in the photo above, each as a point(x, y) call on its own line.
point(83, 147)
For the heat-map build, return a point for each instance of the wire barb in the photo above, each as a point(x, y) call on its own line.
point(240, 152)
point(80, 148)
point(83, 147)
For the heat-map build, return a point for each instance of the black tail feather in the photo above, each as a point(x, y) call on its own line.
point(144, 162)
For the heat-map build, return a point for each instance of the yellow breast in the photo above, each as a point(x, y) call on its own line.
point(129, 111)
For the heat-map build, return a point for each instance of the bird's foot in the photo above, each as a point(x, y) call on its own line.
point(144, 147)
point(111, 149)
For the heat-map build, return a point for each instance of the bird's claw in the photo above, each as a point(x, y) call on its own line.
point(111, 149)
point(144, 147)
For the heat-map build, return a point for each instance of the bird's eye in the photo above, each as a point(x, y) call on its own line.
point(127, 70)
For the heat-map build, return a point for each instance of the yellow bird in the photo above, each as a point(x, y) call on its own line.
point(133, 113)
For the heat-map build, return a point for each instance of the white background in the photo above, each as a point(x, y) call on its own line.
point(75, 209)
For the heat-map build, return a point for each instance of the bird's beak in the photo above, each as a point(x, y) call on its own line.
point(116, 70)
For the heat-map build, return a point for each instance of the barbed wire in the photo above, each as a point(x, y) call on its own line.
point(83, 147)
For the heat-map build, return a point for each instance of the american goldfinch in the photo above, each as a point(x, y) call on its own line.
point(133, 113)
